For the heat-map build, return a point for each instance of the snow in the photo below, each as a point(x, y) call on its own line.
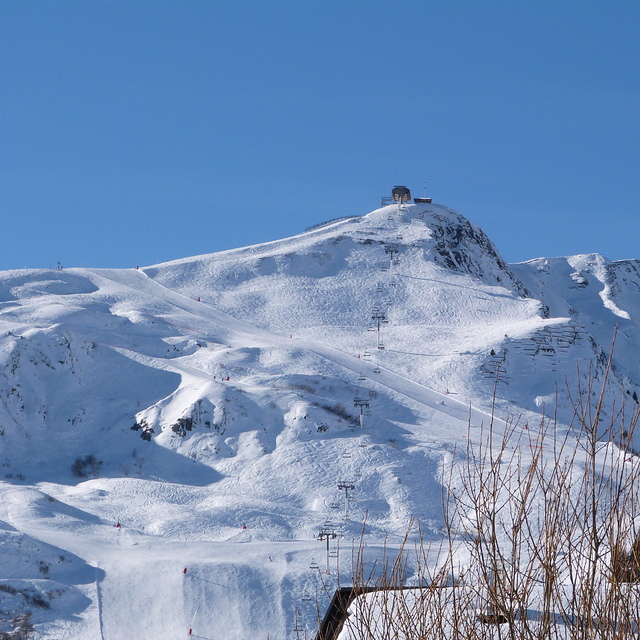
point(215, 392)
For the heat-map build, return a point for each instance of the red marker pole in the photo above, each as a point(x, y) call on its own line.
point(191, 626)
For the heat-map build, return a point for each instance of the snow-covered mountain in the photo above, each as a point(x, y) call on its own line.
point(186, 401)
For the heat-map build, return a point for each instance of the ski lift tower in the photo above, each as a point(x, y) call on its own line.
point(346, 486)
point(391, 250)
point(362, 405)
point(380, 318)
point(327, 533)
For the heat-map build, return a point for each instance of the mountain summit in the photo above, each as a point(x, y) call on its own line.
point(209, 407)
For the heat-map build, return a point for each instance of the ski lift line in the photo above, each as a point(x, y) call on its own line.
point(242, 330)
point(411, 389)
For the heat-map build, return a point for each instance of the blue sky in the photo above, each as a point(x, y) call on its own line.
point(139, 132)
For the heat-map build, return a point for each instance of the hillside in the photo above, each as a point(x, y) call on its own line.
point(185, 401)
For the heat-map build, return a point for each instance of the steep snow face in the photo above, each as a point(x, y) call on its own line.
point(461, 246)
point(600, 295)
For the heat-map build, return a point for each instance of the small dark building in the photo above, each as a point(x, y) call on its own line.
point(401, 194)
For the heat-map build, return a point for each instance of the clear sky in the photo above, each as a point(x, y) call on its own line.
point(136, 132)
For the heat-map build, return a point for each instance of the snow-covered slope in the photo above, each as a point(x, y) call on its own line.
point(597, 294)
point(190, 399)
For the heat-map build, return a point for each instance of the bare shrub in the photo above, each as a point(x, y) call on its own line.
point(340, 411)
point(86, 467)
point(22, 627)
